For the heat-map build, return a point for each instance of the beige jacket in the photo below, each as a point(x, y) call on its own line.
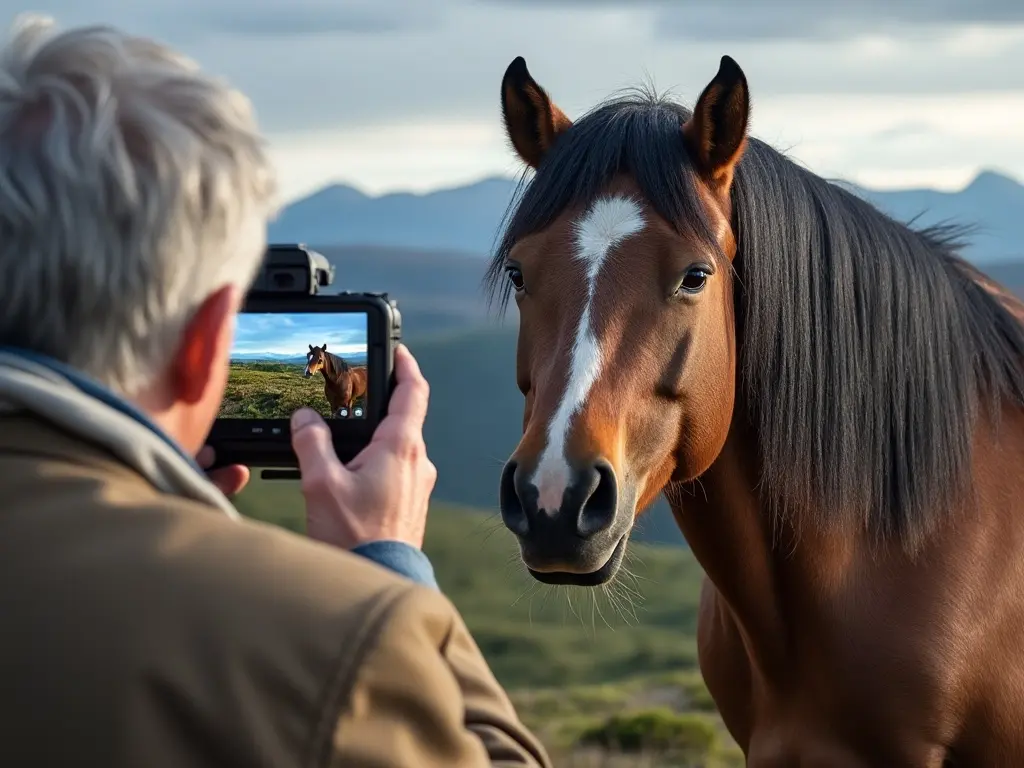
point(145, 624)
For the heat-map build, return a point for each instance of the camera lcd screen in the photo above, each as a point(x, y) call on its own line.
point(281, 362)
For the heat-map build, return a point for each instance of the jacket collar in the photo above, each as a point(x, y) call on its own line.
point(77, 404)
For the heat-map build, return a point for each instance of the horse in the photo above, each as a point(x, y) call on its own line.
point(343, 383)
point(832, 402)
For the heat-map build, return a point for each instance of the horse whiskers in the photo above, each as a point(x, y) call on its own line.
point(529, 591)
point(490, 525)
point(621, 604)
point(620, 597)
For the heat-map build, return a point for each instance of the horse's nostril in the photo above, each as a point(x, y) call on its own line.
point(513, 513)
point(600, 505)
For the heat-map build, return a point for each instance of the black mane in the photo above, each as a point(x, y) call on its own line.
point(867, 347)
point(338, 363)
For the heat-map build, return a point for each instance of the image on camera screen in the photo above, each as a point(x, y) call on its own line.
point(281, 362)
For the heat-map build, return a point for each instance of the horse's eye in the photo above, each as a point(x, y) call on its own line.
point(694, 280)
point(515, 276)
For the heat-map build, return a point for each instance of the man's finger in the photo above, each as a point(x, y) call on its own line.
point(230, 479)
point(412, 393)
point(205, 457)
point(311, 441)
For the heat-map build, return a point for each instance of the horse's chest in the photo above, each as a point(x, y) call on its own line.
point(851, 702)
point(337, 388)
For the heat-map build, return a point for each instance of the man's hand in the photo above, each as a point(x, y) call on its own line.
point(383, 493)
point(230, 479)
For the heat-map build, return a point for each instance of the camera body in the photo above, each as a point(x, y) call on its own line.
point(296, 346)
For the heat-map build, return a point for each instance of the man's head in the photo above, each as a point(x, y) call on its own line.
point(134, 196)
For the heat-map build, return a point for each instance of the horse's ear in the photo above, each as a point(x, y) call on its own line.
point(324, 347)
point(310, 347)
point(716, 134)
point(532, 121)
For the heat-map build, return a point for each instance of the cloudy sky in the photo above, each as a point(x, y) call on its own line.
point(404, 94)
point(291, 334)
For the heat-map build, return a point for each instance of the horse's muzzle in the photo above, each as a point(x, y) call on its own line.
point(582, 541)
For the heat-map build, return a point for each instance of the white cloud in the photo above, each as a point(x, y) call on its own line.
point(879, 141)
point(389, 94)
point(898, 141)
point(414, 157)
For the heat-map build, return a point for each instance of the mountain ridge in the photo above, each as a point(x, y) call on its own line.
point(465, 219)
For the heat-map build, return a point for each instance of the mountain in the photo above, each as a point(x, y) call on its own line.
point(992, 203)
point(466, 219)
point(436, 290)
point(274, 357)
point(459, 219)
point(266, 357)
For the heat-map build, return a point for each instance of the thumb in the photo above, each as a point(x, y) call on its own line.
point(311, 441)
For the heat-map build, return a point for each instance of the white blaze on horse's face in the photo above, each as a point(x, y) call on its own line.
point(606, 224)
point(310, 357)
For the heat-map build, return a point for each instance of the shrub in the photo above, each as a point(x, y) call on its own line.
point(654, 730)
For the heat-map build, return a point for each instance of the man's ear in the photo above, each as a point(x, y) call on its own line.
point(533, 122)
point(716, 134)
point(205, 342)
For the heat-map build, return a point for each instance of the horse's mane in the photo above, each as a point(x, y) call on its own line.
point(338, 364)
point(866, 345)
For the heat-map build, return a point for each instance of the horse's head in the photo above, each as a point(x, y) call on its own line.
point(316, 360)
point(620, 258)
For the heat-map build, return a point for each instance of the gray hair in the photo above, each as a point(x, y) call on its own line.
point(132, 187)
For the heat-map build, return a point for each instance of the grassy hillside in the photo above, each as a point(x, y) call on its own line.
point(583, 666)
point(535, 634)
point(273, 391)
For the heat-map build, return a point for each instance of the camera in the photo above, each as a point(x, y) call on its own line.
point(296, 345)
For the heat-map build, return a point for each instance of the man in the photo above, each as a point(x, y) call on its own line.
point(145, 623)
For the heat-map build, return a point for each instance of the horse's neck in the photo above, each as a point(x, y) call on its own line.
point(722, 521)
point(751, 562)
point(338, 366)
point(328, 368)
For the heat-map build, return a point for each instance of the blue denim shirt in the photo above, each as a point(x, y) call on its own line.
point(396, 556)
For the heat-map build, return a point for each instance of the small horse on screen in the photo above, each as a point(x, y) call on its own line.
point(343, 383)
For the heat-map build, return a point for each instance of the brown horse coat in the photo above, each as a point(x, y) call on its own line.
point(832, 402)
point(343, 384)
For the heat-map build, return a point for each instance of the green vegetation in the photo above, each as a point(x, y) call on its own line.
point(648, 720)
point(655, 730)
point(606, 677)
point(272, 391)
